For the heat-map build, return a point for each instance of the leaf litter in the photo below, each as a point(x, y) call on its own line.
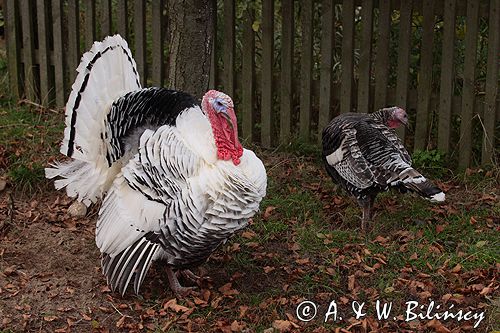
point(50, 278)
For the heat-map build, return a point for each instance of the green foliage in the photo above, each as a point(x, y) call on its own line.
point(26, 177)
point(430, 160)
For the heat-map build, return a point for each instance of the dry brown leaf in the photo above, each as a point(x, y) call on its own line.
point(439, 228)
point(350, 282)
point(268, 269)
point(456, 269)
point(248, 234)
point(303, 261)
point(284, 325)
point(227, 291)
point(437, 326)
point(381, 240)
point(50, 318)
point(172, 304)
point(120, 322)
point(236, 326)
point(268, 212)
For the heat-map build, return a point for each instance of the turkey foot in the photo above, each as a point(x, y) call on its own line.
point(175, 285)
point(187, 274)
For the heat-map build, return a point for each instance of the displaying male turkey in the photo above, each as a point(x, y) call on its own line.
point(364, 155)
point(175, 179)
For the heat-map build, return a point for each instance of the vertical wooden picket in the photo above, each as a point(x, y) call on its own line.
point(122, 19)
point(346, 88)
point(229, 48)
point(157, 67)
point(492, 92)
point(30, 88)
point(106, 22)
point(306, 18)
point(325, 83)
point(447, 75)
point(73, 52)
point(403, 69)
point(365, 57)
point(267, 73)
point(140, 39)
point(46, 82)
point(59, 55)
point(425, 76)
point(286, 84)
point(468, 91)
point(382, 58)
point(90, 26)
point(13, 28)
point(248, 76)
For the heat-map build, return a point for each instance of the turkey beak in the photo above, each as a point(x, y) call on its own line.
point(225, 114)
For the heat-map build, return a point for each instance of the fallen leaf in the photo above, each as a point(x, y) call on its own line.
point(268, 269)
point(120, 322)
point(50, 318)
point(268, 212)
point(284, 325)
point(456, 269)
point(172, 305)
point(437, 326)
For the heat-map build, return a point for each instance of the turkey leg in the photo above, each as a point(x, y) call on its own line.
point(175, 285)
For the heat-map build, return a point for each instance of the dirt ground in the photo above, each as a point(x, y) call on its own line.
point(50, 278)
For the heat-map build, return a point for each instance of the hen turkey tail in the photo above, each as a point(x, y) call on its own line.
point(105, 73)
point(412, 180)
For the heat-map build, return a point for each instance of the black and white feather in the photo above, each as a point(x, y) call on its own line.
point(365, 156)
point(150, 153)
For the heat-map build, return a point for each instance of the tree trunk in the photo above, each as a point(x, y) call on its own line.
point(190, 38)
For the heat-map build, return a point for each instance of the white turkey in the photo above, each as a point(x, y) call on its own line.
point(175, 181)
point(363, 154)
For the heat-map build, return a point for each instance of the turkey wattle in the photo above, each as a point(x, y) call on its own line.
point(175, 179)
point(364, 155)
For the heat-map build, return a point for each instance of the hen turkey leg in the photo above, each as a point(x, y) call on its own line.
point(175, 285)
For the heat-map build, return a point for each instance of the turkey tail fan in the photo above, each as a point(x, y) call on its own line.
point(105, 73)
point(412, 180)
point(133, 262)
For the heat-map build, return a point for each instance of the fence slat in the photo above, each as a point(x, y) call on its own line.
point(425, 76)
point(267, 73)
point(229, 22)
point(13, 53)
point(122, 19)
point(157, 68)
point(447, 75)
point(347, 56)
point(58, 55)
point(325, 90)
point(140, 39)
point(106, 22)
point(382, 59)
point(44, 52)
point(491, 97)
point(90, 26)
point(286, 84)
point(248, 82)
point(468, 91)
point(28, 51)
point(73, 39)
point(403, 70)
point(365, 57)
point(306, 14)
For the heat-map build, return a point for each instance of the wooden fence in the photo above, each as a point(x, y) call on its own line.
point(293, 65)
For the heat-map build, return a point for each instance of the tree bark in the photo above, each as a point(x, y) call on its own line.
point(190, 38)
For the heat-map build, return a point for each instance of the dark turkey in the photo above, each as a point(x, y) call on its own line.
point(364, 155)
